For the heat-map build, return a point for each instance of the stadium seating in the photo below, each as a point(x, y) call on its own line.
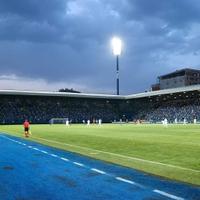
point(14, 109)
point(156, 111)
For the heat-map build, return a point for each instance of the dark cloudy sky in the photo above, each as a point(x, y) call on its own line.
point(50, 44)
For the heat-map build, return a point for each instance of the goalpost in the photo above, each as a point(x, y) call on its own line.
point(58, 121)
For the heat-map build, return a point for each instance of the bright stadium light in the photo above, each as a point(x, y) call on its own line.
point(117, 46)
point(117, 49)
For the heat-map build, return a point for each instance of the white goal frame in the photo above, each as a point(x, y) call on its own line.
point(58, 121)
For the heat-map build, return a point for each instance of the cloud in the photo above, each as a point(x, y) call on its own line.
point(13, 82)
point(68, 41)
point(176, 14)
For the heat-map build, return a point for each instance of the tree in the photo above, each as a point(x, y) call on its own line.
point(68, 90)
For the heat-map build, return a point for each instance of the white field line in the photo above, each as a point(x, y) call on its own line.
point(171, 196)
point(122, 156)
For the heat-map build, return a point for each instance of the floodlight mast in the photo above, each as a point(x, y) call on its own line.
point(117, 48)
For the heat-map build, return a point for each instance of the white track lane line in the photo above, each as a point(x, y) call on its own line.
point(98, 171)
point(130, 182)
point(79, 164)
point(171, 196)
point(54, 155)
point(43, 151)
point(65, 159)
point(124, 180)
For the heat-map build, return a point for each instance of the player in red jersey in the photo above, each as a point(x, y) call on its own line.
point(26, 128)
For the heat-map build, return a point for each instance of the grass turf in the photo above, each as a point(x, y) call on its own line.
point(174, 151)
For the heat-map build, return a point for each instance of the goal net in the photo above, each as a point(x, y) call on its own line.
point(58, 121)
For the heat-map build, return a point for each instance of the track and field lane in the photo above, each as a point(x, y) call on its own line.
point(32, 171)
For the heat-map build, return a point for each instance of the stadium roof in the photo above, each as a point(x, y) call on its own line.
point(60, 94)
point(164, 92)
point(102, 96)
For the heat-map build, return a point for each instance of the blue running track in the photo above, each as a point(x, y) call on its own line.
point(31, 171)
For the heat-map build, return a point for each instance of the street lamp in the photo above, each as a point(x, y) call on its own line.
point(117, 48)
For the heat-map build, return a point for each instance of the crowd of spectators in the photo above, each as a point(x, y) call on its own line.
point(40, 109)
point(15, 109)
point(173, 111)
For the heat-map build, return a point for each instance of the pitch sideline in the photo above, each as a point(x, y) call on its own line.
point(119, 155)
point(115, 154)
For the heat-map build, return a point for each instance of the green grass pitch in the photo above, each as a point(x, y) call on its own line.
point(172, 152)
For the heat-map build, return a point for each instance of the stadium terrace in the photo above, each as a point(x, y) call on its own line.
point(154, 106)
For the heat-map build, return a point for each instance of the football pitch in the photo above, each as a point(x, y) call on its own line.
point(172, 152)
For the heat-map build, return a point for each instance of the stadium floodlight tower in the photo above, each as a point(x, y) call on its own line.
point(117, 49)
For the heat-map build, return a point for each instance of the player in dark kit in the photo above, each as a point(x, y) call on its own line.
point(26, 128)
